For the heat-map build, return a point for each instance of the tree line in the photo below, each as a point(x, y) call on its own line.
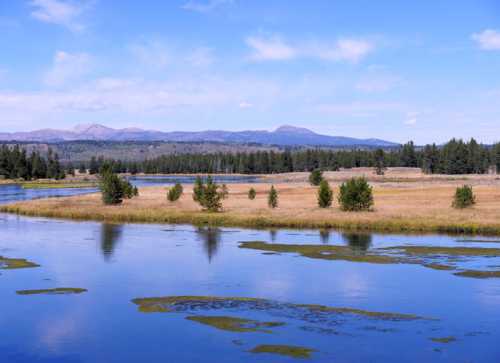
point(454, 157)
point(16, 163)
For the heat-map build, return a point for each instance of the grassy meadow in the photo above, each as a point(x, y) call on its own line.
point(405, 201)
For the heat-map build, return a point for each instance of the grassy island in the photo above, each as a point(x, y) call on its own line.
point(408, 205)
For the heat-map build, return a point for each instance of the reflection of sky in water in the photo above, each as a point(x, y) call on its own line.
point(119, 263)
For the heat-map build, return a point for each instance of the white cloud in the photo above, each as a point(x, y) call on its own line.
point(64, 13)
point(411, 121)
point(272, 48)
point(275, 48)
point(67, 67)
point(204, 7)
point(151, 53)
point(351, 50)
point(489, 39)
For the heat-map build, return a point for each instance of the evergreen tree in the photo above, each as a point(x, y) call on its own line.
point(356, 195)
point(380, 162)
point(316, 177)
point(272, 198)
point(175, 192)
point(464, 197)
point(325, 194)
point(252, 194)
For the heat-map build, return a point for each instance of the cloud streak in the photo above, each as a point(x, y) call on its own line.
point(67, 67)
point(274, 48)
point(205, 7)
point(58, 12)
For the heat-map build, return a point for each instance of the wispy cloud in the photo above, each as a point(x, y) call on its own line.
point(489, 39)
point(59, 12)
point(271, 48)
point(377, 83)
point(204, 7)
point(275, 48)
point(67, 67)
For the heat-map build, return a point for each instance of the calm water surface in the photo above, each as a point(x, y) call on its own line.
point(120, 263)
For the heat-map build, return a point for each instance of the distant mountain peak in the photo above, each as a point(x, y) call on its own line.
point(84, 128)
point(294, 130)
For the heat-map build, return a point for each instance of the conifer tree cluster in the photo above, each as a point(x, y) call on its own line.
point(15, 163)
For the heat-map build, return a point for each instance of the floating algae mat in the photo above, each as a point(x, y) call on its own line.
point(437, 258)
point(284, 350)
point(56, 291)
point(15, 263)
point(234, 324)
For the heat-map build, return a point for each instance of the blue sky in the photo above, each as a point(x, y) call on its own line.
point(426, 71)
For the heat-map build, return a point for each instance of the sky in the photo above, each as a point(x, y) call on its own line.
point(425, 70)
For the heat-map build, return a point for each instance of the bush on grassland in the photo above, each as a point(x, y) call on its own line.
point(356, 195)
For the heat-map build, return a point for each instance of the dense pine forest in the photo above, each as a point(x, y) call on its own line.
point(15, 163)
point(455, 157)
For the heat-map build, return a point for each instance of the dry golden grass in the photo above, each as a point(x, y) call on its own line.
point(401, 207)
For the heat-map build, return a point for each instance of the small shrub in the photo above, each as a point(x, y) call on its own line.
point(316, 177)
point(272, 199)
point(464, 197)
point(129, 191)
point(252, 194)
point(175, 192)
point(356, 195)
point(325, 194)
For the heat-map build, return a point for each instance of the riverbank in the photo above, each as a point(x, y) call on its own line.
point(415, 207)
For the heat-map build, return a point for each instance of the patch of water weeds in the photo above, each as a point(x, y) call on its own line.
point(15, 263)
point(284, 350)
point(437, 258)
point(307, 312)
point(444, 340)
point(56, 291)
point(234, 324)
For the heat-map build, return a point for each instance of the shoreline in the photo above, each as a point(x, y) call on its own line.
point(410, 210)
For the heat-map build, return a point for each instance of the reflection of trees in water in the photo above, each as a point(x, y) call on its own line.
point(324, 235)
point(273, 233)
point(359, 242)
point(211, 239)
point(110, 236)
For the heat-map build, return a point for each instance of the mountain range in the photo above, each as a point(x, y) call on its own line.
point(284, 136)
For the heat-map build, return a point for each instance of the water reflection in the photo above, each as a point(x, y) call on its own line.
point(273, 233)
point(110, 236)
point(211, 239)
point(324, 235)
point(359, 242)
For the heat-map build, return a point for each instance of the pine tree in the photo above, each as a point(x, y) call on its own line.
point(325, 194)
point(356, 195)
point(272, 199)
point(316, 177)
point(252, 194)
point(379, 162)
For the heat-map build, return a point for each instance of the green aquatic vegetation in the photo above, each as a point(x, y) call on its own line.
point(194, 303)
point(285, 350)
point(58, 185)
point(477, 241)
point(169, 303)
point(449, 251)
point(444, 340)
point(234, 324)
point(15, 263)
point(321, 252)
point(437, 266)
point(56, 291)
point(478, 274)
point(366, 313)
